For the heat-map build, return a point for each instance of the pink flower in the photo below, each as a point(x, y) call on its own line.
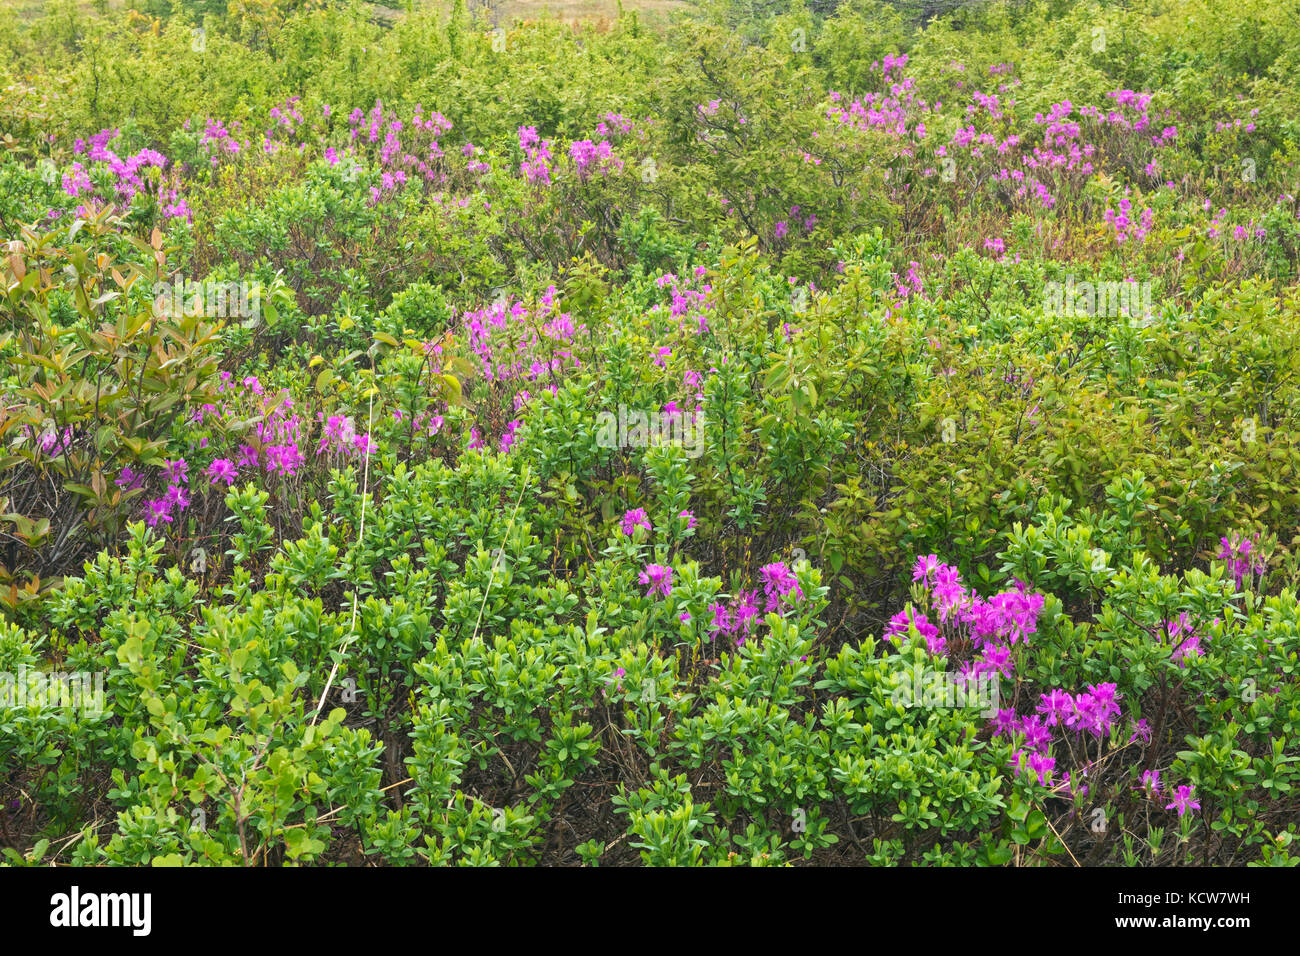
point(660, 579)
point(1004, 722)
point(223, 469)
point(128, 479)
point(746, 611)
point(1056, 706)
point(1183, 801)
point(1037, 736)
point(176, 497)
point(508, 436)
point(617, 679)
point(722, 623)
point(284, 459)
point(177, 471)
point(1042, 765)
point(996, 658)
point(925, 566)
point(636, 518)
point(1094, 711)
point(158, 510)
point(1183, 638)
point(779, 584)
point(1242, 556)
point(1151, 782)
point(900, 622)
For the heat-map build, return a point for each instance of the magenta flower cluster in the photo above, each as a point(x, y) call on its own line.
point(690, 304)
point(1243, 557)
point(536, 166)
point(217, 141)
point(1125, 227)
point(339, 438)
point(405, 151)
point(967, 622)
point(1182, 638)
point(277, 448)
point(780, 586)
point(635, 518)
point(1093, 712)
point(512, 342)
point(739, 618)
point(54, 442)
point(130, 177)
point(589, 157)
point(174, 500)
point(1184, 800)
point(659, 577)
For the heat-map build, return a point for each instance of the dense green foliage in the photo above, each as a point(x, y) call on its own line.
point(335, 356)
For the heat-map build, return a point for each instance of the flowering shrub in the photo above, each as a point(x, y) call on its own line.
point(93, 389)
point(670, 452)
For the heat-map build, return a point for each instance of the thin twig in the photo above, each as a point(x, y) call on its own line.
point(361, 536)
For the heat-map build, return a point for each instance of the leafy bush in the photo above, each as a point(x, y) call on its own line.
point(96, 381)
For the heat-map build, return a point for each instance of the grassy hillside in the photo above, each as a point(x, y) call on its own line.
point(853, 436)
